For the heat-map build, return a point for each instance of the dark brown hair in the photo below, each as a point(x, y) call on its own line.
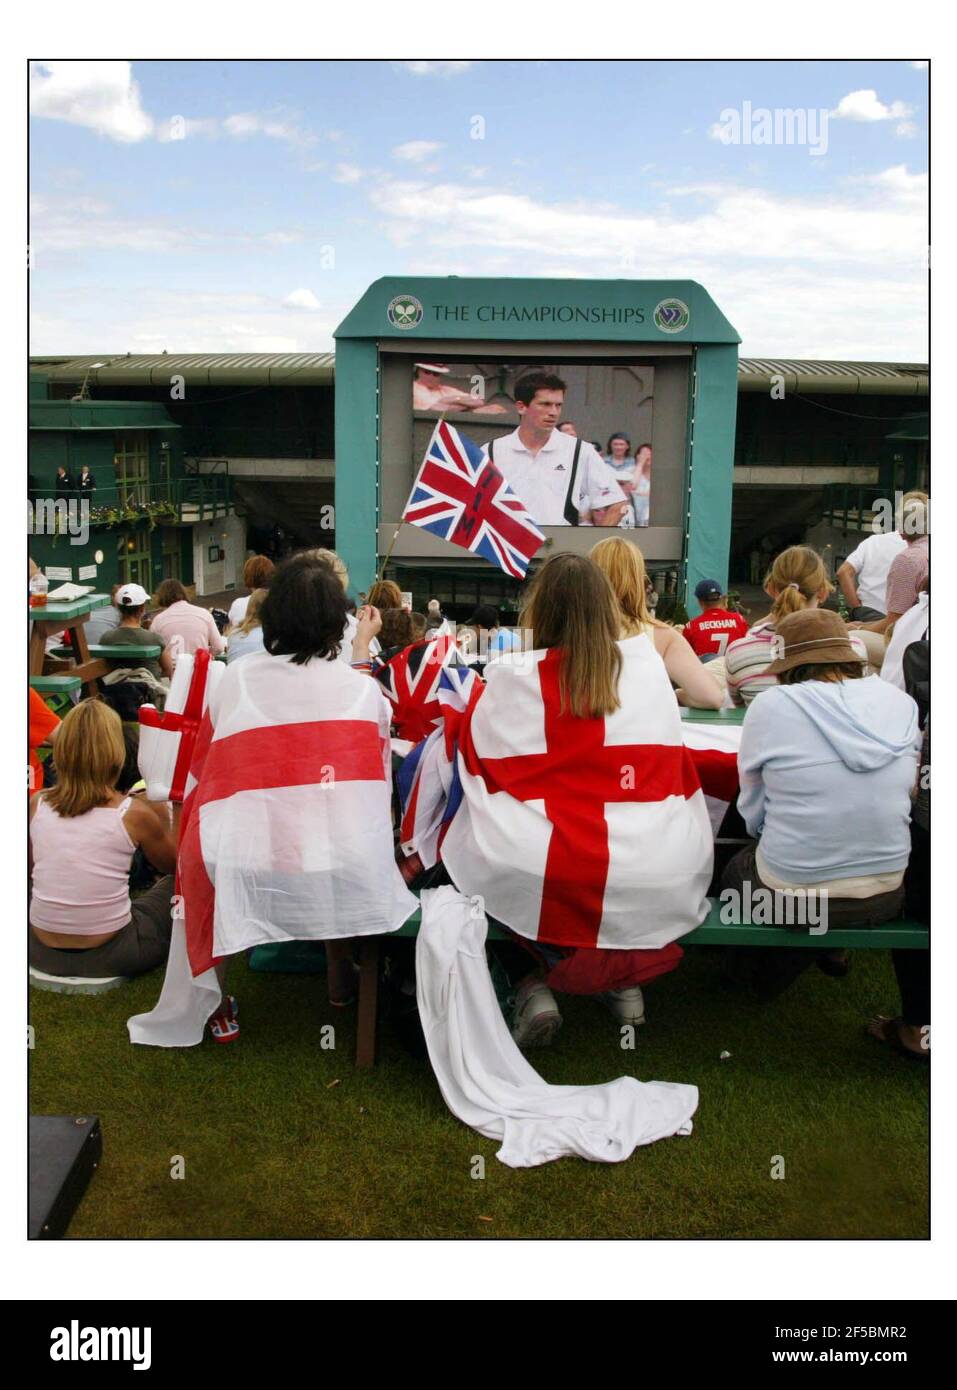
point(396, 629)
point(304, 612)
point(833, 671)
point(170, 591)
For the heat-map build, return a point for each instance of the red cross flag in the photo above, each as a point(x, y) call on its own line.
point(581, 832)
point(286, 831)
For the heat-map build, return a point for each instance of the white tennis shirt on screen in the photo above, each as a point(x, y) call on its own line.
point(541, 480)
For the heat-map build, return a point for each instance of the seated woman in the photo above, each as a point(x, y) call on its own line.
point(338, 566)
point(247, 636)
point(582, 826)
point(624, 565)
point(257, 572)
point(288, 833)
point(83, 837)
point(796, 582)
point(827, 761)
point(178, 618)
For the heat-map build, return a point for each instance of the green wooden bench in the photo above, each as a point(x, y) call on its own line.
point(55, 685)
point(102, 651)
point(712, 932)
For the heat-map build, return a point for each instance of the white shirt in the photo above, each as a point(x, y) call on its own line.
point(541, 480)
point(871, 562)
point(911, 626)
point(237, 610)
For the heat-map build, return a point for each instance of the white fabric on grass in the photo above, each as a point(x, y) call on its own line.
point(488, 1084)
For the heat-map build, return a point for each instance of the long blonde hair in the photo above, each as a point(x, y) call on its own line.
point(570, 604)
point(252, 618)
point(88, 755)
point(624, 565)
point(796, 578)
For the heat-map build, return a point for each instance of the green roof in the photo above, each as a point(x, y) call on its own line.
point(806, 376)
point(196, 368)
point(834, 378)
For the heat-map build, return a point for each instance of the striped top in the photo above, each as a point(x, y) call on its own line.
point(746, 662)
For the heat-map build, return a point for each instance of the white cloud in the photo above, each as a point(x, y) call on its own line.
point(245, 123)
point(302, 299)
point(99, 95)
point(348, 173)
point(135, 318)
point(865, 105)
point(415, 151)
point(64, 227)
point(841, 276)
point(441, 67)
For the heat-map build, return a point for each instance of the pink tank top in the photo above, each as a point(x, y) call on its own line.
point(81, 867)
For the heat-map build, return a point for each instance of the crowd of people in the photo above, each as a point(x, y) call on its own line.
point(833, 765)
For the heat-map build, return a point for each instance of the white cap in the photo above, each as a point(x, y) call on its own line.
point(439, 368)
point(131, 596)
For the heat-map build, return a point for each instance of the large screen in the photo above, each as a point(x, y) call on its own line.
point(574, 441)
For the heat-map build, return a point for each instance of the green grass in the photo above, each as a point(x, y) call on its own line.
point(272, 1148)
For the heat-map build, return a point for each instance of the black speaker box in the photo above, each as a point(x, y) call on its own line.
point(64, 1151)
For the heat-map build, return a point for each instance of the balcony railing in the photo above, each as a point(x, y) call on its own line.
point(180, 501)
point(850, 506)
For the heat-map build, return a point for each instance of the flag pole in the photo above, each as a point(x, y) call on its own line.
point(395, 534)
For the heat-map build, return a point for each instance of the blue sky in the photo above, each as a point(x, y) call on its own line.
point(242, 206)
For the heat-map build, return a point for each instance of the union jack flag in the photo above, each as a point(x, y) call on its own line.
point(461, 496)
point(411, 681)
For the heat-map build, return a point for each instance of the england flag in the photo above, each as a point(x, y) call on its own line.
point(581, 832)
point(286, 832)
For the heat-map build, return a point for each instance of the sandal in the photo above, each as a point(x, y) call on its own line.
point(888, 1030)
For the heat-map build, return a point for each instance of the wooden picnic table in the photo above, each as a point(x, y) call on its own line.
point(51, 618)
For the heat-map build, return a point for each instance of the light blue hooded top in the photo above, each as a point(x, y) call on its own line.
point(826, 772)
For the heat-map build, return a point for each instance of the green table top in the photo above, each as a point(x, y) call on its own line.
point(62, 612)
point(125, 651)
point(713, 716)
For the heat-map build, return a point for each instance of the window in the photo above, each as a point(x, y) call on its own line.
point(131, 461)
point(133, 559)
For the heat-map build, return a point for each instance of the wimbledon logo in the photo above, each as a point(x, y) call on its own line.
point(672, 316)
point(405, 311)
